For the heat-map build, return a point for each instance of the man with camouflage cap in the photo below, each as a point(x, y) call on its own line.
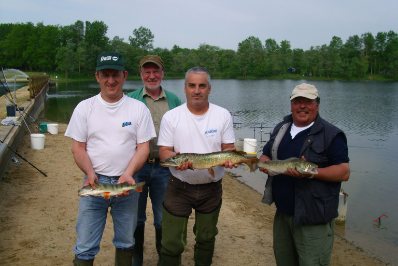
point(159, 101)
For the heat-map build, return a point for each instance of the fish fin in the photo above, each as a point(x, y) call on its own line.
point(241, 152)
point(271, 173)
point(138, 189)
point(106, 195)
point(211, 172)
point(247, 168)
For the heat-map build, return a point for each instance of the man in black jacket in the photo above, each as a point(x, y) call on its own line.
point(306, 204)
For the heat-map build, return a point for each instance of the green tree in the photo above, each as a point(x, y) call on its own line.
point(298, 60)
point(285, 54)
point(143, 38)
point(65, 59)
point(207, 57)
point(333, 51)
point(81, 56)
point(272, 52)
point(95, 34)
point(228, 64)
point(15, 45)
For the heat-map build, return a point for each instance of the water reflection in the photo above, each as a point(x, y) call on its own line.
point(366, 111)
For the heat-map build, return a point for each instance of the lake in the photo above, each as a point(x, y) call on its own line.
point(366, 111)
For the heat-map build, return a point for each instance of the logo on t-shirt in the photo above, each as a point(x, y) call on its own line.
point(125, 124)
point(211, 133)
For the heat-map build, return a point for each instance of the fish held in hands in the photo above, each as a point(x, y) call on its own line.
point(108, 190)
point(277, 167)
point(209, 160)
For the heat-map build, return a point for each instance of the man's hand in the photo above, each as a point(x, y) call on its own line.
point(228, 147)
point(264, 159)
point(90, 180)
point(125, 178)
point(229, 164)
point(294, 173)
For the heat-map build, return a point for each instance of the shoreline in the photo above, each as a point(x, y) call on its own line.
point(39, 214)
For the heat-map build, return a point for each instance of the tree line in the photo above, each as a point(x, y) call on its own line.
point(74, 48)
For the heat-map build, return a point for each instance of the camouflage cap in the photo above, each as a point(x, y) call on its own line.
point(110, 60)
point(152, 59)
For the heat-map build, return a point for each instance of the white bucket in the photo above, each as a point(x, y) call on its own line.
point(249, 145)
point(37, 141)
point(52, 128)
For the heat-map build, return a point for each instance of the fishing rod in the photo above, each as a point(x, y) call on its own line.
point(23, 158)
point(7, 89)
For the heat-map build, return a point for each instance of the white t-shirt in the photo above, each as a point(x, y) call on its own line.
point(111, 131)
point(189, 133)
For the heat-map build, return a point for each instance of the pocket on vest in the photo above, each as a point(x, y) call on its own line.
point(323, 208)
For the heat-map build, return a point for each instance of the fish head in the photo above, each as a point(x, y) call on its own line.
point(85, 191)
point(306, 167)
point(174, 161)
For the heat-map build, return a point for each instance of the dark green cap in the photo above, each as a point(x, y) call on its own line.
point(110, 60)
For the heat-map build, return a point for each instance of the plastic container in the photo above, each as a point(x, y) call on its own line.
point(342, 209)
point(239, 145)
point(37, 141)
point(52, 128)
point(43, 125)
point(249, 145)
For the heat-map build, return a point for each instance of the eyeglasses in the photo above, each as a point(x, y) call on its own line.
point(148, 73)
point(306, 102)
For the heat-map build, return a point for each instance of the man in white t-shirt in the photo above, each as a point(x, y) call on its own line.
point(111, 134)
point(194, 127)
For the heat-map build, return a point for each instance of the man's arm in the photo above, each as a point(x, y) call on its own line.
point(135, 164)
point(83, 162)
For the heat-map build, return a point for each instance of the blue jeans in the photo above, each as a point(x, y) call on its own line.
point(92, 218)
point(156, 179)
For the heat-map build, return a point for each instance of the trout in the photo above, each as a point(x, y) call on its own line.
point(277, 167)
point(209, 160)
point(108, 190)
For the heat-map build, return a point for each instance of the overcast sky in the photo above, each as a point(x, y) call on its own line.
point(220, 23)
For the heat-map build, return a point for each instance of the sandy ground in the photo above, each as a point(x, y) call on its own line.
point(38, 216)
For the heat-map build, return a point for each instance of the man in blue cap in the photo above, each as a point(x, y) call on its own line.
point(111, 134)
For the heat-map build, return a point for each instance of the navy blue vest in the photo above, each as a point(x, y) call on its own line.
point(316, 201)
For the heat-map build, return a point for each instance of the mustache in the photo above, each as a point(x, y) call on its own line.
point(303, 111)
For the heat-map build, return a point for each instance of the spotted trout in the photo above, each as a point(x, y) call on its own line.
point(277, 167)
point(108, 190)
point(209, 160)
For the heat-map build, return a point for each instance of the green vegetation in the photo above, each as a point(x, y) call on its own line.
point(70, 52)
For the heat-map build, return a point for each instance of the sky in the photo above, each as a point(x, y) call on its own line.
point(221, 23)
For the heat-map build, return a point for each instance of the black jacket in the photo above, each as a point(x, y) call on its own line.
point(316, 201)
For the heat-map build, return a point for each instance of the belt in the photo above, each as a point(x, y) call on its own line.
point(153, 160)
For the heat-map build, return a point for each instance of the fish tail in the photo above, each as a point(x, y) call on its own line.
point(138, 189)
point(252, 163)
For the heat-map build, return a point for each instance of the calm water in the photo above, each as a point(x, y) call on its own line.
point(366, 111)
